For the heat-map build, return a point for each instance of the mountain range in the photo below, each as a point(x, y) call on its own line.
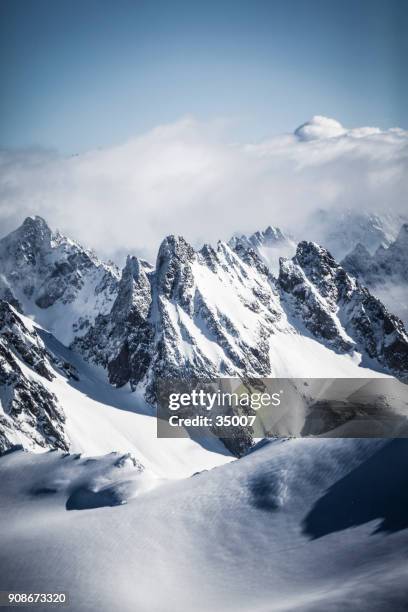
point(68, 319)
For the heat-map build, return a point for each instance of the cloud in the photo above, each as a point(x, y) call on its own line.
point(187, 178)
point(319, 127)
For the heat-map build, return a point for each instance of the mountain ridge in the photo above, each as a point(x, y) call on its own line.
point(217, 311)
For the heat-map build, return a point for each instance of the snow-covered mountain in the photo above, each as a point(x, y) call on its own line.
point(385, 271)
point(51, 398)
point(270, 245)
point(385, 264)
point(62, 285)
point(340, 231)
point(221, 312)
point(213, 312)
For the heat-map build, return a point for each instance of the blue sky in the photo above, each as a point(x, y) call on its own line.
point(83, 74)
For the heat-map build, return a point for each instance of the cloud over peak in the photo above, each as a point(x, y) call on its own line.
point(187, 178)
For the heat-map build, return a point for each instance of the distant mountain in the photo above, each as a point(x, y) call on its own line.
point(270, 245)
point(213, 312)
point(385, 271)
point(386, 264)
point(340, 231)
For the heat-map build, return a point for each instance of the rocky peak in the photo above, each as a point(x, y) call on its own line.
point(334, 307)
point(314, 258)
point(41, 270)
point(173, 269)
point(36, 226)
point(28, 242)
point(322, 270)
point(311, 298)
point(358, 261)
point(134, 292)
point(340, 230)
point(387, 265)
point(174, 247)
point(266, 245)
point(269, 237)
point(402, 238)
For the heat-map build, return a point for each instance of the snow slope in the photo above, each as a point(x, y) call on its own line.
point(101, 419)
point(96, 418)
point(299, 525)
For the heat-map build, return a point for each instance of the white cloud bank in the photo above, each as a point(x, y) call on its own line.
point(186, 178)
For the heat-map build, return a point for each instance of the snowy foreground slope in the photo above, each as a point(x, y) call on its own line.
point(310, 525)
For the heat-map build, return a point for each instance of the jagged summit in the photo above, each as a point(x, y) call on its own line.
point(174, 247)
point(386, 264)
point(270, 236)
point(132, 267)
point(333, 305)
point(49, 275)
point(32, 235)
point(385, 271)
point(402, 238)
point(341, 230)
point(39, 223)
point(268, 245)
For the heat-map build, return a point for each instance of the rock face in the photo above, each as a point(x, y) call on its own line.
point(196, 314)
point(335, 307)
point(52, 276)
point(29, 414)
point(121, 341)
point(211, 313)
